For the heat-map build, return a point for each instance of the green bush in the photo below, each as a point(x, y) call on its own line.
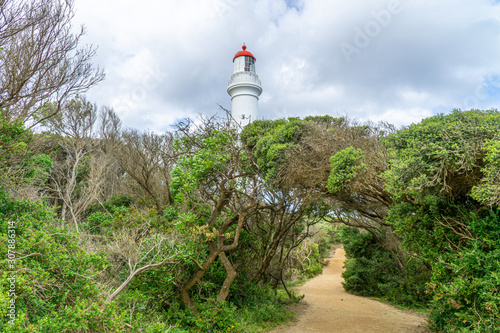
point(370, 270)
point(104, 223)
point(211, 317)
point(444, 178)
point(111, 205)
point(54, 290)
point(466, 283)
point(252, 307)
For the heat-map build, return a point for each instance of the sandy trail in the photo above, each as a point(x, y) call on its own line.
point(329, 308)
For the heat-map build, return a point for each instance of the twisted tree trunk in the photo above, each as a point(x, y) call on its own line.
point(231, 275)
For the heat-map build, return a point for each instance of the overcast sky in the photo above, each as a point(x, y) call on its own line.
point(398, 61)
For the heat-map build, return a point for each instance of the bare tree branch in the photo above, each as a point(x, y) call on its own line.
point(41, 59)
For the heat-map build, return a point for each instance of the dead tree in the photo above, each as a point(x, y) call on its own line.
point(147, 159)
point(80, 163)
point(41, 58)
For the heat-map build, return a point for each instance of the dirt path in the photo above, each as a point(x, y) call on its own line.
point(328, 308)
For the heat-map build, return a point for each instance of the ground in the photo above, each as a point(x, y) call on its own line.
point(327, 307)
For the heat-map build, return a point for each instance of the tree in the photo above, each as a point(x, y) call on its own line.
point(340, 163)
point(80, 160)
point(41, 60)
point(13, 146)
point(340, 160)
point(22, 172)
point(148, 160)
point(283, 222)
point(216, 191)
point(140, 251)
point(440, 177)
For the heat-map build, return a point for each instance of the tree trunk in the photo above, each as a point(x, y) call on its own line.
point(269, 256)
point(215, 250)
point(277, 238)
point(185, 298)
point(231, 275)
point(63, 211)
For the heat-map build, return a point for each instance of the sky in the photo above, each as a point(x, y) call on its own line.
point(397, 61)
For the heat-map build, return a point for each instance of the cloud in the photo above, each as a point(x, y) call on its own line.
point(168, 60)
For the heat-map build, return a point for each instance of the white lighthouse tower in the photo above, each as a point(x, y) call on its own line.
point(244, 88)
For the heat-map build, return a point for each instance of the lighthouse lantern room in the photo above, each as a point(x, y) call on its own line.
point(244, 87)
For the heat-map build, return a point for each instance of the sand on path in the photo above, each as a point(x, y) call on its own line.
point(327, 307)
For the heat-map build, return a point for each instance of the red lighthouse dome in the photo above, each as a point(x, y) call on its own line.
point(243, 53)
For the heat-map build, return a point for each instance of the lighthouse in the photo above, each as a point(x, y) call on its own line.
point(244, 88)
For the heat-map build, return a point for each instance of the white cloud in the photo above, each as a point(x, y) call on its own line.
point(167, 60)
point(401, 117)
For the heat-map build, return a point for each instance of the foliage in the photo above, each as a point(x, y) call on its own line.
point(488, 190)
point(105, 223)
point(38, 169)
point(253, 132)
point(271, 140)
point(191, 170)
point(112, 204)
point(260, 306)
point(255, 308)
point(443, 155)
point(21, 170)
point(443, 178)
point(14, 139)
point(54, 285)
point(346, 164)
point(212, 317)
point(466, 290)
point(370, 270)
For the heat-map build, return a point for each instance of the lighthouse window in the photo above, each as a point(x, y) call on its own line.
point(249, 64)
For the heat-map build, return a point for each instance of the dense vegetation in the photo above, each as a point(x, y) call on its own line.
point(202, 229)
point(93, 258)
point(421, 203)
point(444, 178)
